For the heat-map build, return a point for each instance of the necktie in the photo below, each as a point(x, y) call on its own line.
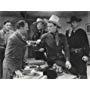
point(57, 39)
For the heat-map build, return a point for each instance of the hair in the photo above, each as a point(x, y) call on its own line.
point(20, 23)
point(44, 24)
point(7, 21)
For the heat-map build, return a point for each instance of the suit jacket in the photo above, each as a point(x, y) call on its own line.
point(54, 45)
point(14, 53)
point(78, 39)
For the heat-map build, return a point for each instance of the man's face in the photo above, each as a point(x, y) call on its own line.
point(51, 27)
point(7, 26)
point(39, 25)
point(24, 30)
point(74, 24)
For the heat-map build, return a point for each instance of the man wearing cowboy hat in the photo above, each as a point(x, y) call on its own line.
point(37, 29)
point(79, 48)
point(54, 42)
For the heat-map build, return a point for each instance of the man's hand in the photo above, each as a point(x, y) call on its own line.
point(41, 49)
point(18, 73)
point(68, 64)
point(38, 41)
point(85, 58)
point(29, 43)
point(57, 68)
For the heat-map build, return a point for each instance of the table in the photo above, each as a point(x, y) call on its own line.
point(39, 75)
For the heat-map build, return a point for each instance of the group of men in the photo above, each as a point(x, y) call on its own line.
point(69, 51)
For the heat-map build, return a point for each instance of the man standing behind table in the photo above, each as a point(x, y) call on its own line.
point(37, 29)
point(15, 50)
point(54, 43)
point(5, 32)
point(79, 48)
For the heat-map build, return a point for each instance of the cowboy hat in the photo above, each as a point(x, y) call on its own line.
point(39, 20)
point(55, 19)
point(74, 18)
point(42, 21)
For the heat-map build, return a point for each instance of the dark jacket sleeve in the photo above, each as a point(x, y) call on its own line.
point(42, 44)
point(66, 48)
point(85, 43)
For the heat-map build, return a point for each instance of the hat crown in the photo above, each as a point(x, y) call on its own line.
point(74, 18)
point(54, 18)
point(39, 19)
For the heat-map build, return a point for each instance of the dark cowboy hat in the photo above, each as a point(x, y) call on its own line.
point(74, 18)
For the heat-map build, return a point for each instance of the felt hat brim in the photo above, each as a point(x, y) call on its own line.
point(74, 19)
point(57, 24)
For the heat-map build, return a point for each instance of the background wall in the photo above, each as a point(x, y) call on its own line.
point(14, 16)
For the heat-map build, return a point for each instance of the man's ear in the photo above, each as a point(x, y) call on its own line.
point(21, 28)
point(55, 26)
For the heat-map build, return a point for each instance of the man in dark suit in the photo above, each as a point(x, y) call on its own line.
point(79, 48)
point(15, 50)
point(56, 45)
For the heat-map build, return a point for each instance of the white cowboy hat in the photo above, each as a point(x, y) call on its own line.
point(39, 20)
point(55, 19)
